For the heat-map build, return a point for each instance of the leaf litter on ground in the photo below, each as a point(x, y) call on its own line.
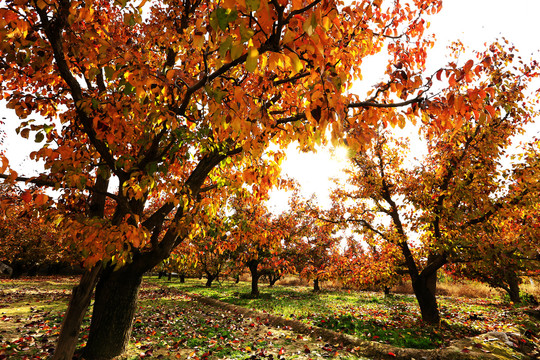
point(168, 325)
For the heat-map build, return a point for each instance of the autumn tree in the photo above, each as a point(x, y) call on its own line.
point(182, 261)
point(28, 242)
point(162, 102)
point(507, 248)
point(255, 238)
point(314, 243)
point(457, 186)
point(212, 248)
point(369, 263)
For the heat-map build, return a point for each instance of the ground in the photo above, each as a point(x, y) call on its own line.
point(173, 324)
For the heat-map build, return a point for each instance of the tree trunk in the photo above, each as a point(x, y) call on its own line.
point(209, 279)
point(114, 310)
point(386, 291)
point(513, 288)
point(182, 278)
point(426, 300)
point(252, 265)
point(169, 276)
point(78, 305)
point(316, 286)
point(272, 280)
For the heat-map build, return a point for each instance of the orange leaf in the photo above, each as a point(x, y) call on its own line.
point(41, 199)
point(468, 66)
point(491, 110)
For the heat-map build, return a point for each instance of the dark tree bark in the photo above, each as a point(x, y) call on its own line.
point(273, 278)
point(316, 285)
point(209, 279)
point(426, 300)
point(513, 287)
point(114, 309)
point(252, 266)
point(182, 278)
point(78, 305)
point(386, 291)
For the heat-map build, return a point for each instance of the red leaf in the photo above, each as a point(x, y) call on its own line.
point(26, 196)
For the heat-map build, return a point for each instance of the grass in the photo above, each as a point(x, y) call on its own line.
point(169, 325)
point(393, 320)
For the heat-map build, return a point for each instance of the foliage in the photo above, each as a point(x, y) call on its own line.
point(184, 102)
point(445, 198)
point(28, 241)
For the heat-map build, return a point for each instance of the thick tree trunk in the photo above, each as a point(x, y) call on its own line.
point(252, 265)
point(513, 288)
point(114, 310)
point(182, 278)
point(316, 285)
point(426, 300)
point(77, 308)
point(209, 279)
point(386, 291)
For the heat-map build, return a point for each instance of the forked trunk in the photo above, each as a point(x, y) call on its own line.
point(78, 305)
point(114, 310)
point(209, 279)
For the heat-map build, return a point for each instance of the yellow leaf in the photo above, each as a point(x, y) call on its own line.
point(198, 41)
point(251, 61)
point(236, 51)
point(296, 63)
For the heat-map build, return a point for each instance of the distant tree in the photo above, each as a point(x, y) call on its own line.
point(507, 247)
point(28, 242)
point(440, 202)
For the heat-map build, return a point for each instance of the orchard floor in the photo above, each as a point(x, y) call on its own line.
point(170, 324)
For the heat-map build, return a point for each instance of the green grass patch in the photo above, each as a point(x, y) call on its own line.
point(371, 316)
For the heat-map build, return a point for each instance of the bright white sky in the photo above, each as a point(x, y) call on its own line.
point(474, 22)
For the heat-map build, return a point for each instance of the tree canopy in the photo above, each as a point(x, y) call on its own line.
point(146, 111)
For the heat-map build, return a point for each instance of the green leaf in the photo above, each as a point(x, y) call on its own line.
point(246, 34)
point(129, 89)
point(225, 46)
point(220, 18)
point(253, 5)
point(237, 51)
